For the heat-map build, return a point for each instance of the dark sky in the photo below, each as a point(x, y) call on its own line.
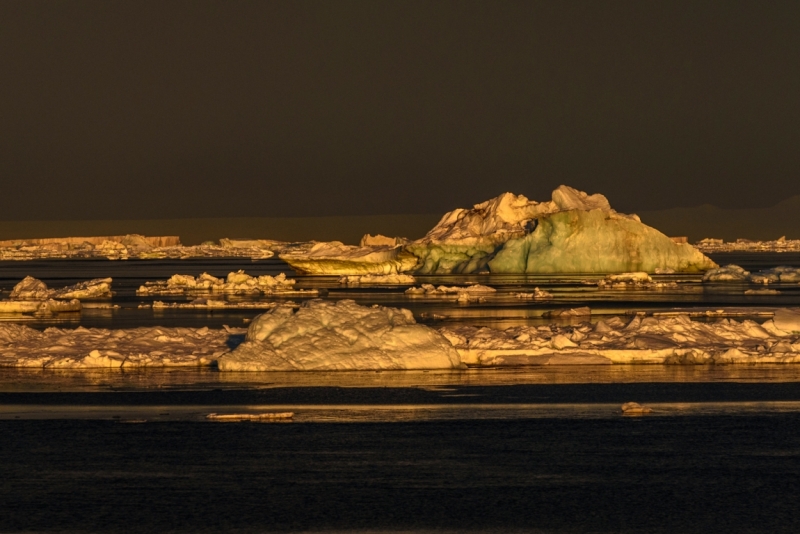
point(199, 109)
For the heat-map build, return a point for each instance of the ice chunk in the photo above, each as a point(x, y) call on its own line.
point(776, 274)
point(32, 289)
point(338, 336)
point(729, 273)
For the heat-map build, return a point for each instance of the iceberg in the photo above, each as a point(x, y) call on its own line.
point(322, 335)
point(572, 233)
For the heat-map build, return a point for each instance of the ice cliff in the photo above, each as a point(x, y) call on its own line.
point(330, 336)
point(573, 232)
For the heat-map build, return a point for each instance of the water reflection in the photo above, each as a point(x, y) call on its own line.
point(66, 380)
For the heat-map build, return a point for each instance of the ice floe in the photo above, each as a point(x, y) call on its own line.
point(745, 245)
point(239, 283)
point(367, 279)
point(470, 293)
point(133, 246)
point(33, 289)
point(673, 339)
point(212, 304)
point(337, 258)
point(734, 273)
point(322, 335)
point(57, 348)
point(536, 294)
point(638, 280)
point(574, 232)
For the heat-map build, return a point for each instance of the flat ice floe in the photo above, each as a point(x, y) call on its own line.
point(329, 336)
point(376, 279)
point(746, 245)
point(673, 339)
point(238, 283)
point(60, 348)
point(337, 258)
point(470, 293)
point(572, 233)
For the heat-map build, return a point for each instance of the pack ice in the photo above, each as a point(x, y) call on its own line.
point(322, 335)
point(659, 339)
point(85, 348)
point(573, 232)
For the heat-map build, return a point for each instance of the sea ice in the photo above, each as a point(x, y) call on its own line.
point(729, 273)
point(367, 279)
point(672, 339)
point(638, 280)
point(58, 348)
point(32, 289)
point(337, 258)
point(574, 232)
point(322, 335)
point(239, 283)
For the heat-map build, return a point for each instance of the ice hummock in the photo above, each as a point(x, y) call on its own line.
point(574, 232)
point(322, 335)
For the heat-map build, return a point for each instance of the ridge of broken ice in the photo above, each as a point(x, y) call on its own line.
point(322, 335)
point(735, 273)
point(235, 283)
point(671, 339)
point(79, 348)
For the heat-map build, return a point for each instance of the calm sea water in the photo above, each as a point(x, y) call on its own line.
point(503, 450)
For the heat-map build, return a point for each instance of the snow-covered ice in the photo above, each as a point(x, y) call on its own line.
point(59, 348)
point(574, 232)
point(322, 335)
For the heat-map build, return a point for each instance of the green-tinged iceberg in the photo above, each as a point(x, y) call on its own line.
point(572, 233)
